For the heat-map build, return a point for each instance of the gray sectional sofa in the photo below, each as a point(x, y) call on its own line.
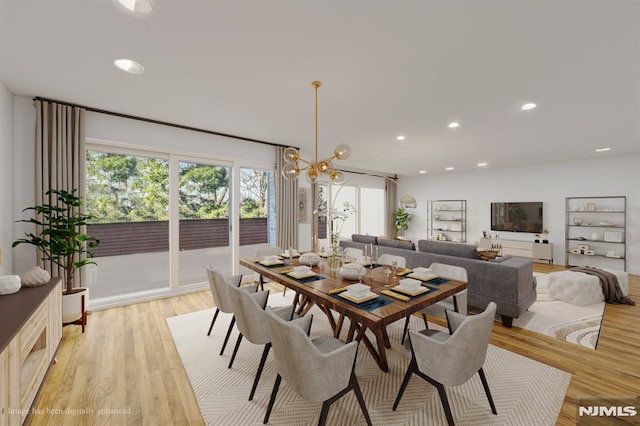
point(507, 281)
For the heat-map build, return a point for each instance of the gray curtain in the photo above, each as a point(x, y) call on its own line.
point(286, 206)
point(391, 206)
point(60, 158)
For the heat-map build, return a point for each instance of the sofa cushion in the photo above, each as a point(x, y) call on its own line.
point(406, 245)
point(449, 248)
point(367, 239)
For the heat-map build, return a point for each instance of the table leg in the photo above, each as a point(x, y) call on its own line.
point(338, 329)
point(332, 321)
point(379, 354)
point(352, 329)
point(387, 342)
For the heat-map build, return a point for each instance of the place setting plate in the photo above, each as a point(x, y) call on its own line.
point(422, 274)
point(417, 292)
point(370, 296)
point(302, 275)
point(271, 262)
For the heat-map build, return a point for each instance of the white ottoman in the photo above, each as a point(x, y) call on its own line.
point(582, 289)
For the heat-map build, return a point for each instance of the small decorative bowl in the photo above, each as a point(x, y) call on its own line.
point(358, 291)
point(410, 284)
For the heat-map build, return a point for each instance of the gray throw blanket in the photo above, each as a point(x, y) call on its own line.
point(608, 282)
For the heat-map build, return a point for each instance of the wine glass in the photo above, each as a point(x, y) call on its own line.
point(387, 272)
point(394, 267)
point(362, 271)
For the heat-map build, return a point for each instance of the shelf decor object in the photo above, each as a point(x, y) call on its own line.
point(447, 220)
point(601, 221)
point(315, 168)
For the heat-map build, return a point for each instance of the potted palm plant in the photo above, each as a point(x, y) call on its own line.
point(402, 221)
point(59, 239)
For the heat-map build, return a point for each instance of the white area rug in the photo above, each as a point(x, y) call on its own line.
point(574, 324)
point(525, 392)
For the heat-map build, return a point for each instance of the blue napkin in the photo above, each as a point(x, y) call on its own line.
point(369, 305)
point(307, 279)
point(375, 265)
point(437, 281)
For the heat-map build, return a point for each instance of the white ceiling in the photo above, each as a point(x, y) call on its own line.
point(388, 68)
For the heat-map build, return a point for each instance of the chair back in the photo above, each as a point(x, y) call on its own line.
point(312, 375)
point(353, 252)
point(454, 272)
point(220, 291)
point(268, 251)
point(251, 319)
point(461, 355)
point(388, 259)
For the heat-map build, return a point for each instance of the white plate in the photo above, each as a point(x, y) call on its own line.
point(422, 277)
point(365, 298)
point(271, 263)
point(304, 275)
point(399, 289)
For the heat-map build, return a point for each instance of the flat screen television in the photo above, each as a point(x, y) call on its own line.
point(517, 217)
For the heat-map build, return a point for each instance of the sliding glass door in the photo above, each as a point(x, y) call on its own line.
point(128, 197)
point(204, 211)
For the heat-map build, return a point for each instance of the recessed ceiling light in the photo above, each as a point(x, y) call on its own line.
point(138, 6)
point(422, 172)
point(454, 124)
point(129, 66)
point(603, 149)
point(528, 106)
point(400, 138)
point(482, 164)
point(449, 168)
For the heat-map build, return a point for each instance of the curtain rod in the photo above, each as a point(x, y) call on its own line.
point(163, 123)
point(394, 177)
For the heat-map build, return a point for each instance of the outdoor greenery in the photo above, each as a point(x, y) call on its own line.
point(125, 188)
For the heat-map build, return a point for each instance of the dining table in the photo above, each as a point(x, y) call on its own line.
point(385, 304)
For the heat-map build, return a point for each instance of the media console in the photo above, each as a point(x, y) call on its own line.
point(536, 251)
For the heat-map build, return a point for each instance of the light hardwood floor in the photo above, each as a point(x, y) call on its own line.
point(127, 361)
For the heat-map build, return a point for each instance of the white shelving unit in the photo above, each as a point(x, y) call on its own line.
point(595, 231)
point(448, 220)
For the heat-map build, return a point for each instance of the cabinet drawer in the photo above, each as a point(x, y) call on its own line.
point(32, 330)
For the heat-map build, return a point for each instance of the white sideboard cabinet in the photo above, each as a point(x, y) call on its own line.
point(30, 334)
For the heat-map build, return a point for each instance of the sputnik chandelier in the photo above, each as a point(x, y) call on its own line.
point(314, 169)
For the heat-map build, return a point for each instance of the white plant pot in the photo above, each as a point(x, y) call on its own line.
point(72, 305)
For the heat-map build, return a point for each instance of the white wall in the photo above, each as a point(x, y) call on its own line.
point(6, 180)
point(549, 182)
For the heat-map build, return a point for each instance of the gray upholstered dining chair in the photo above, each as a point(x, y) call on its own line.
point(451, 359)
point(352, 253)
point(253, 324)
point(457, 302)
point(222, 298)
point(388, 259)
point(268, 251)
point(320, 369)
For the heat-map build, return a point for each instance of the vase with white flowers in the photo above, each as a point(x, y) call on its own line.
point(336, 219)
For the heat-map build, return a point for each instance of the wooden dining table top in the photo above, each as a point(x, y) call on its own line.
point(319, 290)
